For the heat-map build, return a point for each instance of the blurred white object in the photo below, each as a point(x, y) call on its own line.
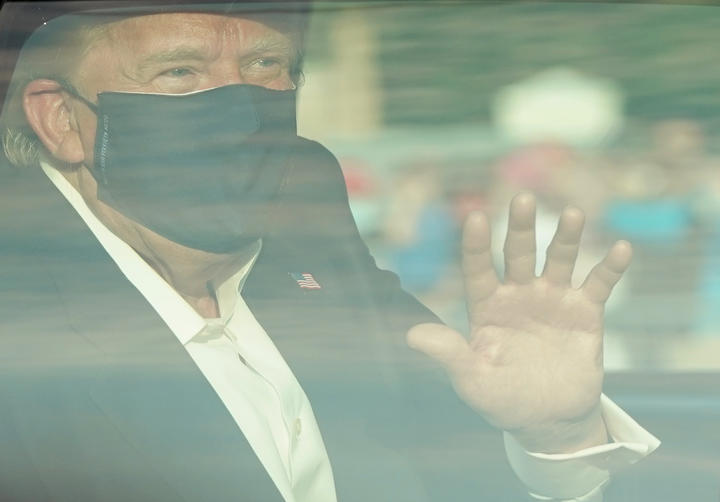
point(341, 96)
point(559, 104)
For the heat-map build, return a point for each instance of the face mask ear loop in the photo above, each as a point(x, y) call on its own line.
point(70, 89)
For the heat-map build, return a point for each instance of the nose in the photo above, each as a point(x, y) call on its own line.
point(227, 72)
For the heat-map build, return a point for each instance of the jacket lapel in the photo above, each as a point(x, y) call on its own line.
point(142, 378)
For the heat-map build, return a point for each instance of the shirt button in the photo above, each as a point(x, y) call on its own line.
point(298, 427)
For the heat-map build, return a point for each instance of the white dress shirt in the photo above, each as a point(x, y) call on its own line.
point(247, 371)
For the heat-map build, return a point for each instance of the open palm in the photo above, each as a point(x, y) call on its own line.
point(533, 362)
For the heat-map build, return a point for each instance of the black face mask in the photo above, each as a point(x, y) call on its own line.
point(200, 169)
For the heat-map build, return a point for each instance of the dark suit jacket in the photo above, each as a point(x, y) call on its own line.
point(99, 401)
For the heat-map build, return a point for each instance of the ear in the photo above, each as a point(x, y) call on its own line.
point(49, 113)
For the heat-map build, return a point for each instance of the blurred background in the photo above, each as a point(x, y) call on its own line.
point(437, 109)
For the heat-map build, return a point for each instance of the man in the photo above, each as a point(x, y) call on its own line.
point(162, 346)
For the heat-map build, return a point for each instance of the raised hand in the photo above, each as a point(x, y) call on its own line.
point(533, 362)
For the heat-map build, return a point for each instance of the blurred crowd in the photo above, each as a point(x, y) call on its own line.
point(663, 197)
point(436, 111)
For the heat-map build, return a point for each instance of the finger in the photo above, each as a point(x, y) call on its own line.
point(607, 273)
point(520, 247)
point(478, 271)
point(563, 250)
point(440, 343)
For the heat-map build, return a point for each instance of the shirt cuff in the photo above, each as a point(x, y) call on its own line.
point(581, 476)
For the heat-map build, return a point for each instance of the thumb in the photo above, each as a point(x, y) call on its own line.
point(439, 342)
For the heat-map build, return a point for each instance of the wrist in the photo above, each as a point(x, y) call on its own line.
point(566, 436)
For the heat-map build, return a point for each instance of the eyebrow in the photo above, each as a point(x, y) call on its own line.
point(172, 55)
point(272, 43)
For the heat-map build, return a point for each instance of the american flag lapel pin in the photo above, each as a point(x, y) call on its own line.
point(305, 280)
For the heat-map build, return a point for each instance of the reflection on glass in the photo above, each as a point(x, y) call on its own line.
point(434, 111)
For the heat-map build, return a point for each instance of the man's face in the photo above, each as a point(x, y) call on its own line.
point(181, 53)
point(163, 53)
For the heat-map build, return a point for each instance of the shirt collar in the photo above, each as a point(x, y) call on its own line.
point(179, 316)
point(227, 292)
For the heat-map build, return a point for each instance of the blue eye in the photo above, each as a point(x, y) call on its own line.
point(178, 72)
point(266, 62)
